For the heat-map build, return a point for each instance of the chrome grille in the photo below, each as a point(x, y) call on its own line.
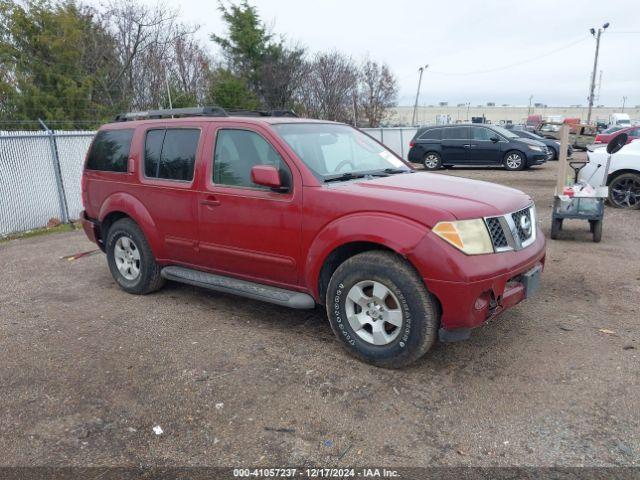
point(518, 222)
point(510, 231)
point(497, 233)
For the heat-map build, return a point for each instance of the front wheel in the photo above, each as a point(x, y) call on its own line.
point(380, 310)
point(514, 161)
point(624, 191)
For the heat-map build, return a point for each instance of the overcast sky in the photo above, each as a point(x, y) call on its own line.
point(460, 36)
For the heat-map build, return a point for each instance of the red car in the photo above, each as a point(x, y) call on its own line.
point(606, 136)
point(302, 213)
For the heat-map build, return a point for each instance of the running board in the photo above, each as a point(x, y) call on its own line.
point(256, 291)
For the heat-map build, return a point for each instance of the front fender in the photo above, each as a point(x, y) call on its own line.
point(132, 207)
point(399, 234)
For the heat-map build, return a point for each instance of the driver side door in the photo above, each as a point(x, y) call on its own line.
point(247, 230)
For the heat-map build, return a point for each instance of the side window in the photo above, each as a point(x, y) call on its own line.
point(171, 154)
point(152, 151)
point(237, 152)
point(456, 133)
point(479, 133)
point(432, 134)
point(110, 151)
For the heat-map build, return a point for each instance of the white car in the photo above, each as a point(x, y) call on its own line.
point(624, 174)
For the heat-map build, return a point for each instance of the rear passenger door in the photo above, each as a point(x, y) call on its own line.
point(166, 187)
point(482, 151)
point(455, 145)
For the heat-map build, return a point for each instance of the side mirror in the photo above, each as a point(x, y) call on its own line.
point(266, 176)
point(617, 143)
point(494, 139)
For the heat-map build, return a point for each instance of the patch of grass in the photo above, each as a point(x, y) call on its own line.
point(36, 232)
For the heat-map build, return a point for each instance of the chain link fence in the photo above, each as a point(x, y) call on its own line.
point(396, 138)
point(41, 172)
point(40, 175)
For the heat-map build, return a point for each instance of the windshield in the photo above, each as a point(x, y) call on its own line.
point(505, 133)
point(332, 149)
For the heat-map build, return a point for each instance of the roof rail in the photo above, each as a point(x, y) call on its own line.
point(201, 112)
point(260, 113)
point(173, 113)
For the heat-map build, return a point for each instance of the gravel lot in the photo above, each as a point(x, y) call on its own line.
point(88, 370)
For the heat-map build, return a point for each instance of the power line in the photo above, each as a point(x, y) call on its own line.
point(505, 67)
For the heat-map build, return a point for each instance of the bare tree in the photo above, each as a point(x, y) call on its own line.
point(281, 75)
point(377, 91)
point(145, 41)
point(191, 66)
point(329, 84)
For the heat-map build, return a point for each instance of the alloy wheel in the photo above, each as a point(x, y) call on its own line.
point(127, 257)
point(373, 312)
point(625, 192)
point(431, 161)
point(514, 161)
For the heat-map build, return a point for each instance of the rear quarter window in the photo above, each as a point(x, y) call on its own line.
point(110, 151)
point(432, 134)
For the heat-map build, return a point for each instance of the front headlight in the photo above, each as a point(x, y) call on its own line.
point(533, 147)
point(468, 236)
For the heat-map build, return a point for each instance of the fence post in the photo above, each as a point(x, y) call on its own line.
point(64, 210)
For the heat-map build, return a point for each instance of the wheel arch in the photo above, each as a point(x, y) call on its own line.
point(613, 175)
point(351, 235)
point(123, 205)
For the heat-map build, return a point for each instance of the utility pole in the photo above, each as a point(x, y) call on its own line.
point(166, 82)
point(597, 35)
point(624, 100)
point(599, 85)
point(529, 109)
point(415, 106)
point(468, 105)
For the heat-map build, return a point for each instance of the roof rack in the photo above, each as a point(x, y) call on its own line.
point(201, 112)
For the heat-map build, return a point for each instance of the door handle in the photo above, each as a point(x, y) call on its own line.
point(210, 201)
point(466, 146)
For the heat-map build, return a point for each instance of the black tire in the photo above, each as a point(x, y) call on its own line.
point(417, 330)
point(556, 226)
point(148, 279)
point(514, 160)
point(596, 229)
point(432, 161)
point(555, 153)
point(619, 185)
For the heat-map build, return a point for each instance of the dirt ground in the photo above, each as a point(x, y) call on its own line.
point(87, 370)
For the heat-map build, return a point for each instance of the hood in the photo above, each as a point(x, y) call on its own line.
point(529, 141)
point(461, 197)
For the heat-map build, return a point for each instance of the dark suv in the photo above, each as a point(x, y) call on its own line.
point(476, 145)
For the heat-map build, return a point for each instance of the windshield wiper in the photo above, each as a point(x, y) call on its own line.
point(344, 176)
point(397, 170)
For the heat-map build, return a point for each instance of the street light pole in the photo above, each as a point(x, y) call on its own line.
point(624, 101)
point(415, 106)
point(595, 67)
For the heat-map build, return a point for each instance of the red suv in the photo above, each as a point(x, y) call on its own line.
point(302, 212)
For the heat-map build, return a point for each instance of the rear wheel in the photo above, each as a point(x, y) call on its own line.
point(556, 226)
point(596, 228)
point(624, 191)
point(131, 260)
point(514, 160)
point(432, 161)
point(380, 310)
